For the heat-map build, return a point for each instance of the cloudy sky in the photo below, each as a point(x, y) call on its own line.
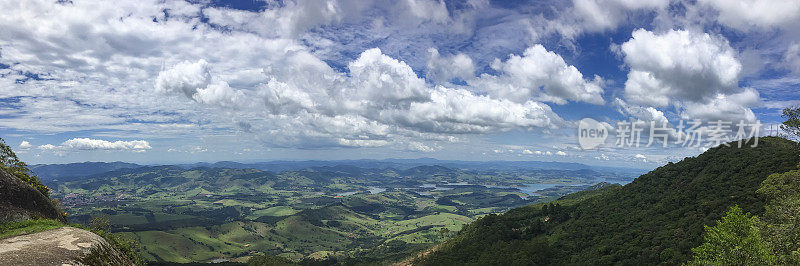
point(173, 81)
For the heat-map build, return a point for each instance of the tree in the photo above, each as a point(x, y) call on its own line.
point(11, 164)
point(735, 240)
point(444, 232)
point(263, 260)
point(792, 123)
point(100, 223)
point(782, 215)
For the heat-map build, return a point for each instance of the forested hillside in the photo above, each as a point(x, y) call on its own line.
point(656, 219)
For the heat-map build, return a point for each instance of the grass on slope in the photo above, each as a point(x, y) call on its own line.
point(27, 227)
point(272, 211)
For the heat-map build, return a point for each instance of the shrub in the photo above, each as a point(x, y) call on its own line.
point(11, 164)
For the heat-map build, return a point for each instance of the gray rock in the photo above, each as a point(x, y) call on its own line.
point(20, 201)
point(61, 246)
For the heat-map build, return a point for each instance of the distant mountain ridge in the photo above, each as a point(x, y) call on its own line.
point(71, 171)
point(171, 175)
point(49, 172)
point(279, 166)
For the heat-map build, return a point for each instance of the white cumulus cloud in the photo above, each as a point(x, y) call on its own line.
point(87, 144)
point(749, 14)
point(25, 145)
point(678, 64)
point(47, 147)
point(597, 15)
point(99, 144)
point(688, 70)
point(539, 75)
point(442, 69)
point(379, 97)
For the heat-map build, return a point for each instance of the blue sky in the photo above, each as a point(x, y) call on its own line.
point(175, 81)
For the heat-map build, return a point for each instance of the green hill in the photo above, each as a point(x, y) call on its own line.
point(656, 219)
point(22, 195)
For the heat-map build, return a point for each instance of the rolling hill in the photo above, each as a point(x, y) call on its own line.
point(658, 218)
point(347, 212)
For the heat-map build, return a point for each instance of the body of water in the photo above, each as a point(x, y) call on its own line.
point(375, 190)
point(529, 189)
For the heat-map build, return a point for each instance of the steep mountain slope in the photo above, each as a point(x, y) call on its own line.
point(20, 201)
point(656, 219)
point(27, 239)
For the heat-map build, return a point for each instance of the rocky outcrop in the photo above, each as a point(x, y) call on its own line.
point(61, 246)
point(20, 201)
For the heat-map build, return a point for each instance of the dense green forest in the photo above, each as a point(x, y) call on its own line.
point(658, 218)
